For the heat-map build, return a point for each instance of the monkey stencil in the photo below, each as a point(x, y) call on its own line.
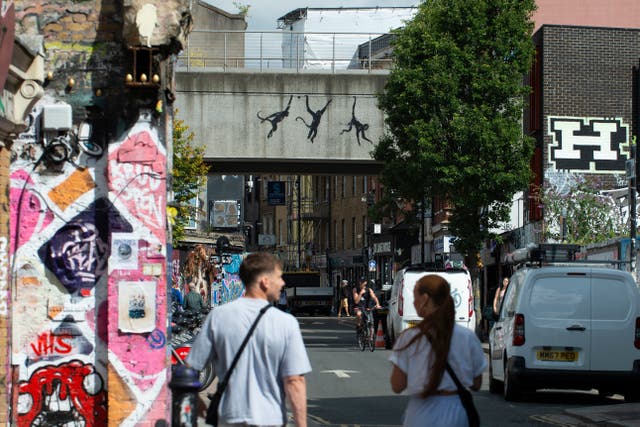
point(315, 119)
point(360, 128)
point(275, 118)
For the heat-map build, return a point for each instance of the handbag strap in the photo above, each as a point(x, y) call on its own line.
point(224, 382)
point(454, 377)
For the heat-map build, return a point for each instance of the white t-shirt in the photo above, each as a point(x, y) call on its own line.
point(466, 358)
point(255, 393)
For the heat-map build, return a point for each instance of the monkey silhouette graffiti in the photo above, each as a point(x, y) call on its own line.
point(315, 119)
point(360, 127)
point(275, 118)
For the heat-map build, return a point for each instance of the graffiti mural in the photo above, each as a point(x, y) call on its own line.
point(361, 128)
point(70, 394)
point(28, 208)
point(137, 188)
point(316, 116)
point(4, 275)
point(275, 118)
point(588, 145)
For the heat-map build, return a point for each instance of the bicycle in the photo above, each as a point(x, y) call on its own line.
point(366, 335)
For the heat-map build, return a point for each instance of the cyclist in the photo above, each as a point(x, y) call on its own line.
point(363, 298)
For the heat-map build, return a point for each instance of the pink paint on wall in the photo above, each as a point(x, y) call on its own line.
point(590, 13)
point(137, 178)
point(137, 187)
point(27, 209)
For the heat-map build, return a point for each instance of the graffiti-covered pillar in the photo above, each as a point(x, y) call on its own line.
point(137, 288)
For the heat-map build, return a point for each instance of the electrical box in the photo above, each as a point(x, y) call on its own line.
point(56, 117)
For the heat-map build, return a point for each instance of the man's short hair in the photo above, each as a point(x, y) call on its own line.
point(255, 264)
point(192, 286)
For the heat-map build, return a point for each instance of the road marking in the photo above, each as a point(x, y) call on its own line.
point(340, 373)
point(319, 337)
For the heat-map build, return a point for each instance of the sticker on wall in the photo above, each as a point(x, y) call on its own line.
point(588, 145)
point(124, 251)
point(136, 306)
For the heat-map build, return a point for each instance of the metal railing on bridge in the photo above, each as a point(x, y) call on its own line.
point(286, 51)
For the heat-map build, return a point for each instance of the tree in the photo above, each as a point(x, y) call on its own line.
point(189, 174)
point(453, 104)
point(580, 214)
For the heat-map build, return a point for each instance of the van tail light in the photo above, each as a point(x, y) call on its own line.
point(470, 299)
point(518, 330)
point(401, 301)
point(636, 341)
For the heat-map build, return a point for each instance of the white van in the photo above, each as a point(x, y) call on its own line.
point(568, 327)
point(402, 313)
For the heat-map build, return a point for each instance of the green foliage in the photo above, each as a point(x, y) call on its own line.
point(189, 174)
point(243, 9)
point(454, 103)
point(589, 216)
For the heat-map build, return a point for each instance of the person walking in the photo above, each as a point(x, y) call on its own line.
point(421, 355)
point(193, 300)
point(344, 298)
point(499, 296)
point(272, 365)
point(176, 294)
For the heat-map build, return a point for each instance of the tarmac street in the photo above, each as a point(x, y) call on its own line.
point(349, 387)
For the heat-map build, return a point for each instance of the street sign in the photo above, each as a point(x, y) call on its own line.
point(372, 265)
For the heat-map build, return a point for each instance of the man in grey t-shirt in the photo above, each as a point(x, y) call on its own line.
point(274, 361)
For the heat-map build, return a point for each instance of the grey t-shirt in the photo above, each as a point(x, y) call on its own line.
point(255, 393)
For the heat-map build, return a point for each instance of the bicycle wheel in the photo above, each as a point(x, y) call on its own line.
point(361, 338)
point(206, 376)
point(371, 339)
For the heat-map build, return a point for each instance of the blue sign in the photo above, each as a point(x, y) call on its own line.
point(275, 193)
point(372, 265)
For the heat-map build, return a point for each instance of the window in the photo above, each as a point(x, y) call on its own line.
point(192, 222)
point(327, 188)
point(342, 237)
point(335, 234)
point(354, 186)
point(364, 185)
point(353, 232)
point(344, 184)
point(364, 231)
point(280, 233)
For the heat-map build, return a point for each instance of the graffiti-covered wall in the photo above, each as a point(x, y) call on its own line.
point(87, 289)
point(587, 95)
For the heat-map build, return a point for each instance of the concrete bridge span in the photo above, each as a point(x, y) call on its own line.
point(286, 122)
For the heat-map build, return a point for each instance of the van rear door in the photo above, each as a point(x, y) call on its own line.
point(614, 300)
point(557, 325)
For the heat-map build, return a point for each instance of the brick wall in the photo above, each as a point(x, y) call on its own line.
point(587, 75)
point(5, 378)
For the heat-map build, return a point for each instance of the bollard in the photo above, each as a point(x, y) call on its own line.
point(184, 385)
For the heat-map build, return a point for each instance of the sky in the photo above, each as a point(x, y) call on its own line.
point(264, 14)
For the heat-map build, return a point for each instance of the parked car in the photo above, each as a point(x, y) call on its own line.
point(567, 326)
point(402, 313)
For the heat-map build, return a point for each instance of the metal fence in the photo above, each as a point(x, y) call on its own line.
point(286, 50)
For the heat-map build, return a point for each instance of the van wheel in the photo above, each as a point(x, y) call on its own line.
point(510, 390)
point(495, 386)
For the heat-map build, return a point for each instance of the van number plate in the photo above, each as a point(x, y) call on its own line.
point(557, 356)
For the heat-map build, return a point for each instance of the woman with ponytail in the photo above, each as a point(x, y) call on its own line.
point(421, 353)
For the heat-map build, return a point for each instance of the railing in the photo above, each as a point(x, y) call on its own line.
point(286, 51)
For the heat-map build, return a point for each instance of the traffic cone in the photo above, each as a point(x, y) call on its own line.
point(380, 336)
